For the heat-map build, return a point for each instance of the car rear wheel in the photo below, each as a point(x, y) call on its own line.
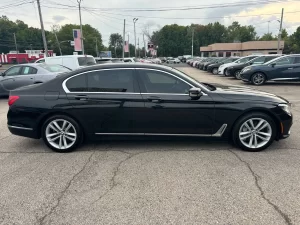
point(61, 133)
point(237, 74)
point(215, 71)
point(225, 73)
point(258, 79)
point(254, 132)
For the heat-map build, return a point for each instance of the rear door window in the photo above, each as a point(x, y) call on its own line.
point(27, 70)
point(77, 84)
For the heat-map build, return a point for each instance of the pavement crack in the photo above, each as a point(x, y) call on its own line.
point(116, 171)
point(62, 193)
point(262, 193)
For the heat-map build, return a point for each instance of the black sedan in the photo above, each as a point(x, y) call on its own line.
point(215, 60)
point(144, 100)
point(285, 68)
point(213, 68)
point(201, 64)
point(235, 71)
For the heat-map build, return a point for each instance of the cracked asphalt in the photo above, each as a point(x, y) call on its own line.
point(152, 182)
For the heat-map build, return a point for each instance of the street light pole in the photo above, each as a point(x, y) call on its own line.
point(280, 30)
point(43, 30)
point(134, 21)
point(82, 46)
point(192, 42)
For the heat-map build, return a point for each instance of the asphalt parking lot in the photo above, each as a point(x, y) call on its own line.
point(152, 182)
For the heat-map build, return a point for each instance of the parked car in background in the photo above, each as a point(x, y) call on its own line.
point(223, 68)
point(171, 60)
point(201, 64)
point(73, 62)
point(103, 60)
point(235, 70)
point(185, 58)
point(117, 100)
point(284, 68)
point(213, 68)
point(163, 59)
point(129, 60)
point(27, 74)
point(213, 60)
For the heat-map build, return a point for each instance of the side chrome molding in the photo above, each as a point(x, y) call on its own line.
point(219, 133)
point(20, 128)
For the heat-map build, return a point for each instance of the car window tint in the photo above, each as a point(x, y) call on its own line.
point(160, 82)
point(269, 58)
point(258, 60)
point(28, 70)
point(13, 71)
point(284, 61)
point(111, 81)
point(297, 60)
point(77, 84)
point(86, 61)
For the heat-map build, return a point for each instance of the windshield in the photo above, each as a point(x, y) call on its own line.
point(243, 60)
point(55, 68)
point(86, 61)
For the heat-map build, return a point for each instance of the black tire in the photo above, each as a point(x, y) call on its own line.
point(237, 74)
point(225, 73)
point(215, 71)
point(242, 120)
point(258, 79)
point(79, 132)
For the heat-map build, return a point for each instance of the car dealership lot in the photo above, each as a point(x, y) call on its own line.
point(152, 182)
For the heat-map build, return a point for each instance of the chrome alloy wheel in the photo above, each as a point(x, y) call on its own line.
point(255, 133)
point(61, 134)
point(258, 79)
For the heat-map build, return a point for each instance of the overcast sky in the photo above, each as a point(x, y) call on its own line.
point(109, 21)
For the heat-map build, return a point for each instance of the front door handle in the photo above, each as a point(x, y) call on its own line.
point(290, 68)
point(154, 99)
point(81, 97)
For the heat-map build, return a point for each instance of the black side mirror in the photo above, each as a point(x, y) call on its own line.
point(250, 63)
point(2, 74)
point(273, 64)
point(195, 93)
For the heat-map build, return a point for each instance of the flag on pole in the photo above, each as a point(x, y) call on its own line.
point(77, 40)
point(126, 46)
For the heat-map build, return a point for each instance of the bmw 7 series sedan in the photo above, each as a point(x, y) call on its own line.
point(142, 100)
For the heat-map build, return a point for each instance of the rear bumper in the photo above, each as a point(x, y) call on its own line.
point(23, 131)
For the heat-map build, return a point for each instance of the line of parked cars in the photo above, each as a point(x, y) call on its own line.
point(255, 69)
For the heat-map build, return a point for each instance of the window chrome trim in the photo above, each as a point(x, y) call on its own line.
point(66, 80)
point(219, 133)
point(20, 128)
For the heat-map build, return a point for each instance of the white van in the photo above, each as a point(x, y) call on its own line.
point(71, 61)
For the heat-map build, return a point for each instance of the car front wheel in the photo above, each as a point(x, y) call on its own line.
point(237, 74)
point(258, 79)
point(254, 132)
point(61, 133)
point(215, 71)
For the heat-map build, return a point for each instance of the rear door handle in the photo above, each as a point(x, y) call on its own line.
point(81, 97)
point(154, 99)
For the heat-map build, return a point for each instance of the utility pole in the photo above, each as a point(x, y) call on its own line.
point(134, 21)
point(82, 46)
point(269, 27)
point(128, 46)
point(139, 46)
point(144, 45)
point(280, 30)
point(16, 48)
point(192, 42)
point(123, 52)
point(42, 27)
point(96, 46)
point(57, 41)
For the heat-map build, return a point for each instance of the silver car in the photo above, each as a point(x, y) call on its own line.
point(27, 74)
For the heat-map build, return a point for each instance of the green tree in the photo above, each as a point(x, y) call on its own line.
point(267, 37)
point(238, 33)
point(116, 45)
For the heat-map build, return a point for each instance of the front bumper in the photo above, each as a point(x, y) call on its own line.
point(246, 76)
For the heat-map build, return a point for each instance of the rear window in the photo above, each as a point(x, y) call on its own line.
point(86, 61)
point(55, 68)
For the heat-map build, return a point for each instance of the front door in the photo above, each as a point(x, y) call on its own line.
point(8, 80)
point(284, 69)
point(169, 108)
point(108, 101)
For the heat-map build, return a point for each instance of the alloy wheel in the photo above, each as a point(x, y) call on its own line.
point(215, 71)
point(61, 134)
point(258, 79)
point(237, 75)
point(255, 133)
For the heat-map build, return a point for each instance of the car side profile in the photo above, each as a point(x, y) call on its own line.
point(285, 68)
point(27, 74)
point(144, 100)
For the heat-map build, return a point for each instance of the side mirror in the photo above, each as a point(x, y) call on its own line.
point(273, 64)
point(195, 93)
point(250, 63)
point(2, 74)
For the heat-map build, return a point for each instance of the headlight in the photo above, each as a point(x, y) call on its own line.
point(246, 69)
point(286, 107)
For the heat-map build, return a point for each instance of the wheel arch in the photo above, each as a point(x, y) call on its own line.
point(258, 110)
point(54, 113)
point(259, 72)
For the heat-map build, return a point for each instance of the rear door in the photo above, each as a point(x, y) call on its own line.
point(108, 101)
point(26, 76)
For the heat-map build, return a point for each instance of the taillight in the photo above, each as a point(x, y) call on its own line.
point(12, 99)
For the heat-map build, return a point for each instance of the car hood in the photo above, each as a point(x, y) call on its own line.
point(228, 64)
point(245, 93)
